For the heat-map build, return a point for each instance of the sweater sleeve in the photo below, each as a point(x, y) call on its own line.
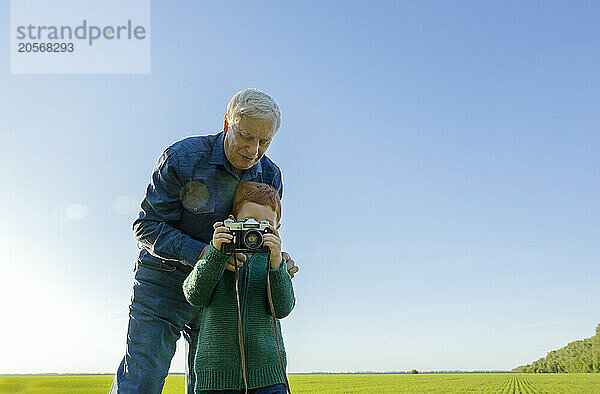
point(282, 291)
point(199, 285)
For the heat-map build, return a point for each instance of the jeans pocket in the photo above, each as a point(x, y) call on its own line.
point(275, 389)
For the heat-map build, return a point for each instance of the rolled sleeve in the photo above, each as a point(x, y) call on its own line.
point(190, 251)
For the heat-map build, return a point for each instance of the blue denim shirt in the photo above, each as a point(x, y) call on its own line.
point(192, 187)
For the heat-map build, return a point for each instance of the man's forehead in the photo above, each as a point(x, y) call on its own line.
point(256, 127)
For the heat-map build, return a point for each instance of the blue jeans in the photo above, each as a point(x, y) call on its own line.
point(158, 314)
point(275, 389)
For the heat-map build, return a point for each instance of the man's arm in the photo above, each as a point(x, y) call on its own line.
point(161, 206)
point(282, 292)
point(292, 268)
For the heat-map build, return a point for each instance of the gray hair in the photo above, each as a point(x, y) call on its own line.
point(255, 104)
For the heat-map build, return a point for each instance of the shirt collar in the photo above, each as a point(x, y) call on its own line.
point(217, 156)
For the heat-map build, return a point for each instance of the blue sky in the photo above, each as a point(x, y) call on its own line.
point(440, 165)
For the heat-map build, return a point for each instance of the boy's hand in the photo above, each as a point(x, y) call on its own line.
point(274, 243)
point(220, 236)
point(241, 259)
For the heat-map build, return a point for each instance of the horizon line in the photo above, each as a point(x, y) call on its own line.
point(395, 372)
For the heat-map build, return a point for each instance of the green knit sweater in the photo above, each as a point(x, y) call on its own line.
point(217, 363)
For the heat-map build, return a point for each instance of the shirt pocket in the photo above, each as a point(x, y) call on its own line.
point(197, 198)
point(198, 214)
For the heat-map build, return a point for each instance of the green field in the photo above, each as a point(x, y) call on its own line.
point(370, 383)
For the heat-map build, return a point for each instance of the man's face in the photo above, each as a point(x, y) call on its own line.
point(247, 141)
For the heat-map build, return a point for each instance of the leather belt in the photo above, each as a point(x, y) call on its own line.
point(181, 267)
point(172, 262)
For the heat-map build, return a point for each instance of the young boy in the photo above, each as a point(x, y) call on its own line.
point(218, 361)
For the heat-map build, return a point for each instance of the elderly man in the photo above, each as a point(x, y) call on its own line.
point(192, 187)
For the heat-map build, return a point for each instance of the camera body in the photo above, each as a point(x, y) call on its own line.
point(247, 236)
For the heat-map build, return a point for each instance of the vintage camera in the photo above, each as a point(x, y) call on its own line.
point(247, 236)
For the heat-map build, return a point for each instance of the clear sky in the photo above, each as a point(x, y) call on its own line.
point(441, 174)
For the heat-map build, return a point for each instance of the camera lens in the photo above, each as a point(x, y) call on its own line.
point(253, 239)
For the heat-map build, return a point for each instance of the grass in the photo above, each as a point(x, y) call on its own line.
point(343, 383)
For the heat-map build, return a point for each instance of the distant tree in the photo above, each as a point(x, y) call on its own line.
point(414, 371)
point(581, 356)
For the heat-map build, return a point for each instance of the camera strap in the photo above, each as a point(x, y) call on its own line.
point(240, 336)
point(287, 384)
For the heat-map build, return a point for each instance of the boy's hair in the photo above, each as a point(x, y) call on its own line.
point(259, 193)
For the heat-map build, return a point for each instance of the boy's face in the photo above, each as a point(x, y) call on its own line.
point(257, 212)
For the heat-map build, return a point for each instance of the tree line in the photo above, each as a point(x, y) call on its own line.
point(576, 357)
